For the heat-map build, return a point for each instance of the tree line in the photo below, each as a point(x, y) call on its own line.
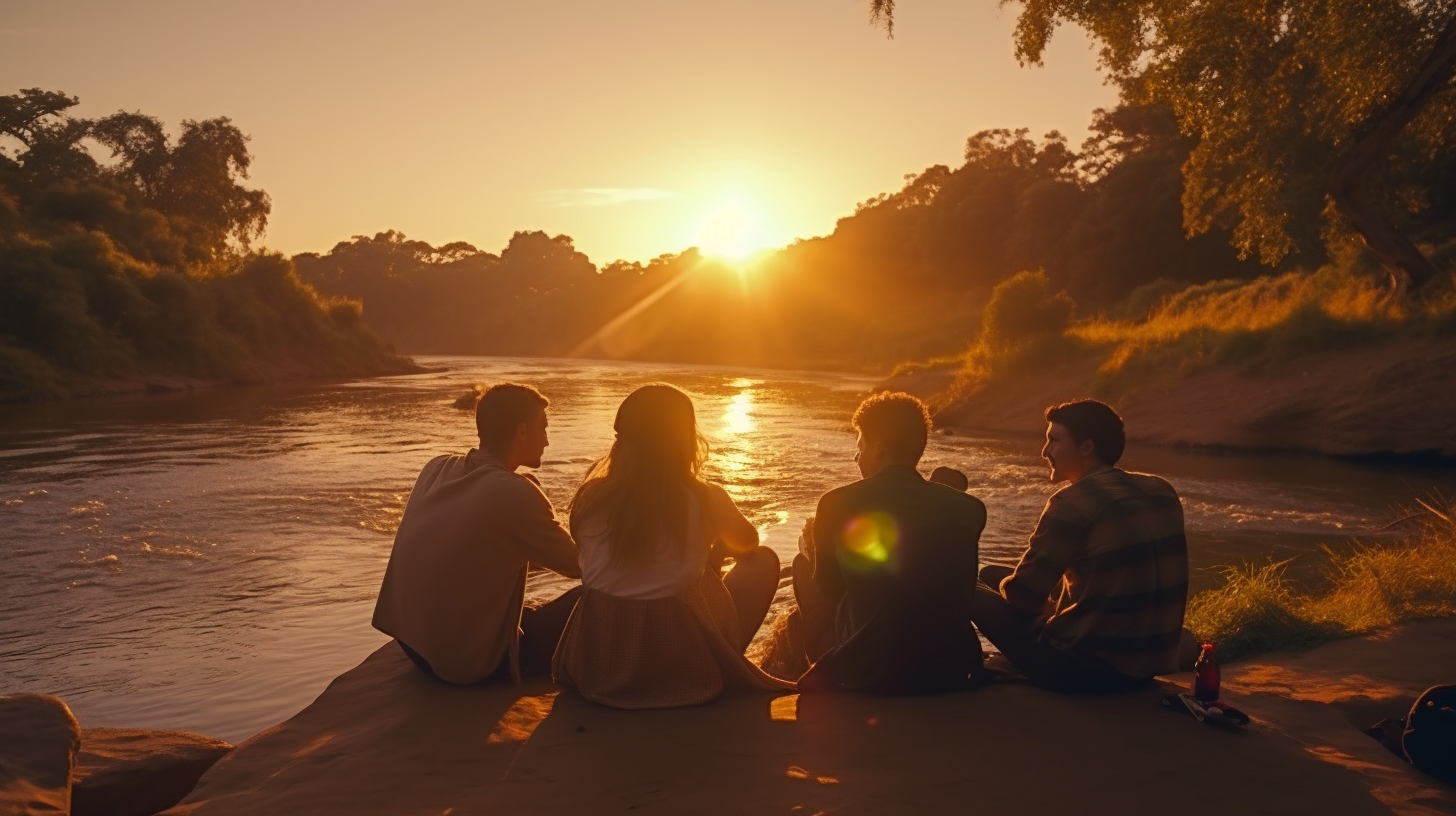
point(903, 277)
point(1250, 138)
point(140, 264)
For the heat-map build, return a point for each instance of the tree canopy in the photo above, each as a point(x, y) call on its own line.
point(137, 267)
point(1309, 118)
point(196, 182)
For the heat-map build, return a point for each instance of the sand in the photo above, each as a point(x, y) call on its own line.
point(384, 739)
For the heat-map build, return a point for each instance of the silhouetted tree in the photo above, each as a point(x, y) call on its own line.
point(50, 140)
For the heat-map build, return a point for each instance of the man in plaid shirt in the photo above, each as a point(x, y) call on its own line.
point(1096, 603)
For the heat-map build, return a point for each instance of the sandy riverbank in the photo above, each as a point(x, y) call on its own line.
point(384, 739)
point(1390, 398)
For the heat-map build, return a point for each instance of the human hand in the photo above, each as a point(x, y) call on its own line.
point(806, 539)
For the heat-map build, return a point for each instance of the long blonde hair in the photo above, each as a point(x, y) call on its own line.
point(643, 486)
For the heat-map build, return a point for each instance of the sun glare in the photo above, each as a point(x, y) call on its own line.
point(733, 232)
point(738, 419)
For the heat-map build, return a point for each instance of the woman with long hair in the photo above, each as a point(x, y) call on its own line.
point(658, 625)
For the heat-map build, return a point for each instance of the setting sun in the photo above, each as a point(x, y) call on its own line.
point(734, 231)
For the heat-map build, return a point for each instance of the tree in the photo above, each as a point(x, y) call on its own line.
point(200, 183)
point(50, 140)
point(139, 143)
point(196, 183)
point(1306, 114)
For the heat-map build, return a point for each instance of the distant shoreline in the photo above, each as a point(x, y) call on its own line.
point(80, 387)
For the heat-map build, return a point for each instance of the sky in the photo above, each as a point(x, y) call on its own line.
point(637, 128)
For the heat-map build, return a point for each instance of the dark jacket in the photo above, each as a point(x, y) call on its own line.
point(898, 555)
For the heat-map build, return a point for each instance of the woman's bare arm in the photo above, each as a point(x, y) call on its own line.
point(727, 522)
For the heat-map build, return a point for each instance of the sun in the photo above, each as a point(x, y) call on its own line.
point(733, 231)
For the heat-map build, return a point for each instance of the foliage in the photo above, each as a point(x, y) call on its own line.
point(1170, 327)
point(1307, 117)
point(1258, 609)
point(1261, 323)
point(194, 183)
point(1023, 309)
point(136, 268)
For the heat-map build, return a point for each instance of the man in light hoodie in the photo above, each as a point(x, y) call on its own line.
point(454, 589)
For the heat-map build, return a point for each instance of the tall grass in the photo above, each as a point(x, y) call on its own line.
point(1258, 609)
point(1255, 324)
point(1258, 322)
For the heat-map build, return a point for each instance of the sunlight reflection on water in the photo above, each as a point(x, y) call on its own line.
point(209, 561)
point(738, 418)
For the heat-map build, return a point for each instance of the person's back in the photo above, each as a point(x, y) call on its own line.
point(657, 626)
point(1096, 602)
point(897, 556)
point(673, 565)
point(452, 593)
point(905, 556)
point(1124, 587)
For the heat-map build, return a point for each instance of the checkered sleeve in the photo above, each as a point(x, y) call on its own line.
point(1060, 537)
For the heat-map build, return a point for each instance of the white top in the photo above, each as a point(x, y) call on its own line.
point(672, 570)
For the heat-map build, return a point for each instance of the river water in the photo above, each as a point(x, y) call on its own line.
point(208, 561)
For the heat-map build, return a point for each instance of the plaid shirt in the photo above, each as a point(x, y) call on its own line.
point(1108, 566)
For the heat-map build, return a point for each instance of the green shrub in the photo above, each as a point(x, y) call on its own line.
point(1258, 609)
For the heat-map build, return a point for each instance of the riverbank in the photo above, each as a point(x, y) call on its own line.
point(1391, 398)
point(385, 739)
point(76, 386)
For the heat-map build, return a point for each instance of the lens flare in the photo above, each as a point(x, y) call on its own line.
point(872, 537)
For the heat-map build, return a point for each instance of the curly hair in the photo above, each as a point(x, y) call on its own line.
point(899, 422)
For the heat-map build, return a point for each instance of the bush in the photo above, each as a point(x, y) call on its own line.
point(1259, 610)
point(1023, 309)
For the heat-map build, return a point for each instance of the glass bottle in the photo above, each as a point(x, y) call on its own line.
point(1205, 676)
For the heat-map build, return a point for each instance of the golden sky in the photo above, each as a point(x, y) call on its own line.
point(636, 127)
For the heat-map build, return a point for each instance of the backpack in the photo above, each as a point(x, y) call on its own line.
point(1429, 739)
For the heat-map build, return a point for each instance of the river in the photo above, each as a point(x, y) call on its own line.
point(209, 560)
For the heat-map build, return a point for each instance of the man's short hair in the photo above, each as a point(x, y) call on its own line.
point(896, 421)
point(501, 411)
point(1090, 419)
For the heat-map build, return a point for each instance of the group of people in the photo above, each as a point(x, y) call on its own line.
point(889, 587)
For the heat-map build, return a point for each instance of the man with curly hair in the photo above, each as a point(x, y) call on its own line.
point(894, 561)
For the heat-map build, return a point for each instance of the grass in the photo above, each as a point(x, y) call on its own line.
point(1259, 610)
point(1257, 325)
point(1260, 322)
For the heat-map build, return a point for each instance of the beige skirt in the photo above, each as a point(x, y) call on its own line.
point(660, 653)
